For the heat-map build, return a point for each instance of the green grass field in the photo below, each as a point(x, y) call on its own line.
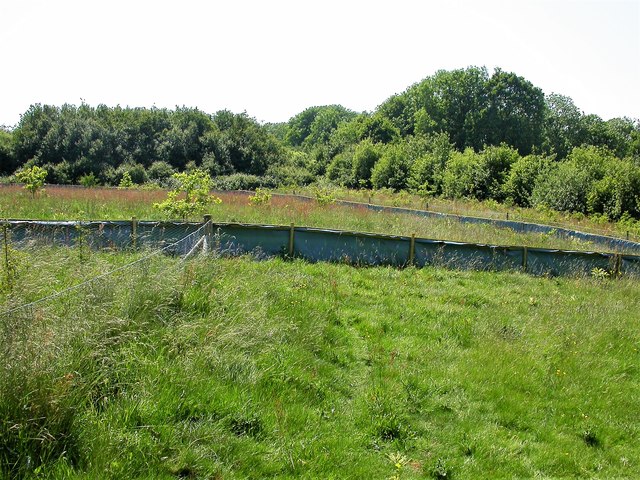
point(232, 368)
point(109, 204)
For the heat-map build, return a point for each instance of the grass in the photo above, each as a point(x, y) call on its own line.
point(101, 204)
point(485, 209)
point(231, 368)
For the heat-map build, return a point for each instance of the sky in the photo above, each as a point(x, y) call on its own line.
point(274, 58)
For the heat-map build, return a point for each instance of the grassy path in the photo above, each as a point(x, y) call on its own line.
point(243, 369)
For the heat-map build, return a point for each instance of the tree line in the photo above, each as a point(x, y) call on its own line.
point(458, 133)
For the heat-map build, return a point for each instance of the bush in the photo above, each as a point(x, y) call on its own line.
point(522, 177)
point(427, 171)
point(563, 188)
point(261, 197)
point(392, 170)
point(241, 181)
point(459, 177)
point(160, 172)
point(339, 171)
point(89, 180)
point(33, 178)
point(136, 171)
point(365, 156)
point(193, 188)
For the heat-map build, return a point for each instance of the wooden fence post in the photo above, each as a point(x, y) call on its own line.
point(5, 229)
point(291, 237)
point(412, 249)
point(134, 232)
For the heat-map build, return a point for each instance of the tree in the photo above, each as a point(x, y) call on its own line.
point(563, 128)
point(7, 158)
point(190, 197)
point(523, 176)
point(427, 171)
point(392, 170)
point(365, 156)
point(515, 113)
point(33, 178)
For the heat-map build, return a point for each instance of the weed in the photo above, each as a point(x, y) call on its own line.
point(590, 437)
point(260, 197)
point(441, 470)
point(600, 274)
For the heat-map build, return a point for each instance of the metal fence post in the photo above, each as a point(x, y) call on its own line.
point(525, 254)
point(208, 233)
point(5, 229)
point(292, 232)
point(134, 232)
point(412, 249)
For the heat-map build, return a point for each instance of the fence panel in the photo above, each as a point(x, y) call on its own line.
point(541, 261)
point(353, 248)
point(315, 244)
point(467, 256)
point(259, 240)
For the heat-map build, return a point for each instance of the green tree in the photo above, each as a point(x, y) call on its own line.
point(427, 171)
point(522, 177)
point(33, 178)
point(459, 179)
point(515, 113)
point(365, 156)
point(563, 127)
point(190, 197)
point(392, 170)
point(7, 158)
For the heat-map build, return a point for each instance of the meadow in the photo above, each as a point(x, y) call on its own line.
point(232, 368)
point(61, 203)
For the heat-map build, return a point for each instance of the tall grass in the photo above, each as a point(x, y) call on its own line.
point(101, 204)
point(239, 369)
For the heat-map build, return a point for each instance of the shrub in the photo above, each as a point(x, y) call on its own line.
point(160, 171)
point(365, 156)
point(339, 171)
point(241, 181)
point(522, 177)
point(427, 171)
point(459, 180)
point(89, 180)
point(392, 170)
point(261, 197)
point(33, 178)
point(193, 188)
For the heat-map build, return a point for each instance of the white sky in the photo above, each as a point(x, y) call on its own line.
point(276, 58)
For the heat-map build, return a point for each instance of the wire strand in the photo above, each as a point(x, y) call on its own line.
point(106, 274)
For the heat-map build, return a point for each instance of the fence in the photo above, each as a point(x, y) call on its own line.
point(315, 244)
point(602, 241)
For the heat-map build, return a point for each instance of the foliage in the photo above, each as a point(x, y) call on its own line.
point(33, 178)
point(211, 368)
point(391, 171)
point(427, 171)
point(495, 114)
point(260, 197)
point(89, 180)
point(522, 177)
point(324, 195)
point(125, 181)
point(365, 156)
point(7, 158)
point(190, 197)
point(340, 170)
point(241, 181)
point(160, 171)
